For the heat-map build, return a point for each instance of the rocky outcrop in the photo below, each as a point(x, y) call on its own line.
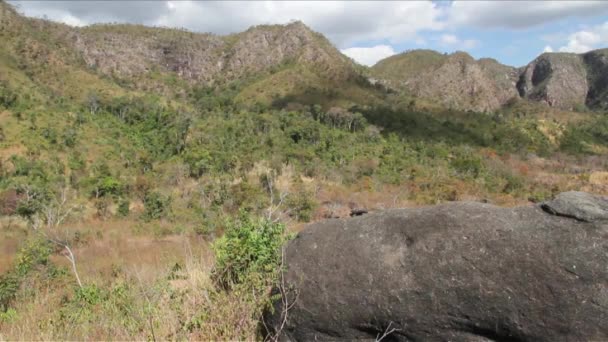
point(597, 64)
point(464, 83)
point(457, 80)
point(130, 50)
point(556, 79)
point(566, 81)
point(159, 58)
point(455, 272)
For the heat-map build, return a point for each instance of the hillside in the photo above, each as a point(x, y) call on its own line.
point(456, 80)
point(150, 177)
point(282, 64)
point(170, 62)
point(564, 81)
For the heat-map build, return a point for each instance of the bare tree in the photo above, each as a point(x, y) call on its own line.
point(275, 211)
point(47, 221)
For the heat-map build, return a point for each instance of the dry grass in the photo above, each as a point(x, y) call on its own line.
point(164, 301)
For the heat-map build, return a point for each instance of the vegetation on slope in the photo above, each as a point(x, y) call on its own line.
point(175, 196)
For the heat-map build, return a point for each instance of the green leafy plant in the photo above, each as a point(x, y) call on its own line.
point(123, 207)
point(156, 206)
point(249, 251)
point(35, 252)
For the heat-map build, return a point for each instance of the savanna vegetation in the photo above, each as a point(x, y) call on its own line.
point(135, 213)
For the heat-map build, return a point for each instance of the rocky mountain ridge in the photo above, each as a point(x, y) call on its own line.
point(276, 62)
point(566, 81)
point(128, 50)
point(278, 59)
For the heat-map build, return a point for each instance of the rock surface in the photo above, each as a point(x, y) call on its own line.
point(567, 81)
point(128, 51)
point(556, 79)
point(455, 272)
point(456, 80)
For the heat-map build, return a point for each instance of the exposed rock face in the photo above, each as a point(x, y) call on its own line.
point(463, 83)
point(563, 80)
point(597, 64)
point(127, 51)
point(457, 80)
point(458, 272)
point(556, 79)
point(149, 58)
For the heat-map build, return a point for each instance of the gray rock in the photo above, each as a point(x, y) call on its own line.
point(579, 205)
point(454, 272)
point(556, 79)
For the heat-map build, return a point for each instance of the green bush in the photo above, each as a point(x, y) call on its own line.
point(302, 205)
point(156, 206)
point(249, 252)
point(123, 207)
point(468, 165)
point(7, 97)
point(109, 186)
point(69, 137)
point(35, 252)
point(8, 316)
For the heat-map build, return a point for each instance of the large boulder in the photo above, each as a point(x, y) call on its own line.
point(454, 272)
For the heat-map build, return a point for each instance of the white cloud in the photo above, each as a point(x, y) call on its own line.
point(453, 41)
point(449, 39)
point(369, 55)
point(344, 23)
point(548, 48)
point(520, 14)
point(588, 39)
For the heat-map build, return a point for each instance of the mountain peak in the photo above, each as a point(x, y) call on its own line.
point(456, 80)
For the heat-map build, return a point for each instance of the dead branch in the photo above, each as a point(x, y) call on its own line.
point(387, 332)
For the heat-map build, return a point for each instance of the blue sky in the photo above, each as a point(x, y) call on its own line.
point(514, 47)
point(512, 32)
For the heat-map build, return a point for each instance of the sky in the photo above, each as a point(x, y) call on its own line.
point(513, 32)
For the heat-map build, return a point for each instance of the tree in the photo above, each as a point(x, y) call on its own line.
point(49, 218)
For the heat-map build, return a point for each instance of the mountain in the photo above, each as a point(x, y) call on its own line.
point(279, 65)
point(456, 80)
point(266, 63)
point(564, 81)
point(567, 80)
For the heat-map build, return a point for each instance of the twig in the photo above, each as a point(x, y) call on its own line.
point(286, 306)
point(387, 332)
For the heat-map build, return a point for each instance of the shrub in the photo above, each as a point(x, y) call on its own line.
point(249, 252)
point(123, 207)
point(69, 137)
point(302, 204)
point(7, 97)
point(156, 206)
point(35, 252)
point(468, 165)
point(108, 186)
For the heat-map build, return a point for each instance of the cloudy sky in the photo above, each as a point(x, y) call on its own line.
point(512, 32)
